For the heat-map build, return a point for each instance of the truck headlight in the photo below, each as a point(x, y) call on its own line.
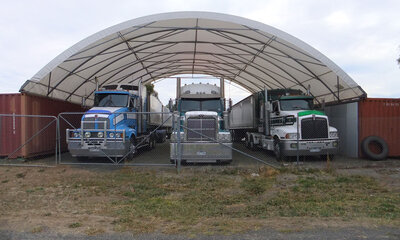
point(100, 134)
point(226, 137)
point(333, 135)
point(174, 136)
point(87, 134)
point(111, 135)
point(118, 135)
point(77, 135)
point(291, 136)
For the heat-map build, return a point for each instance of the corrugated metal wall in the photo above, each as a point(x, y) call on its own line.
point(16, 131)
point(381, 117)
point(10, 128)
point(344, 117)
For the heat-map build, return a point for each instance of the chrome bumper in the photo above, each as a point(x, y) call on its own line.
point(202, 151)
point(309, 147)
point(111, 149)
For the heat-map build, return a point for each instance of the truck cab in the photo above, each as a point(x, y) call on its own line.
point(200, 109)
point(114, 126)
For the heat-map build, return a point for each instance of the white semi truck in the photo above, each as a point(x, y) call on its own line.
point(283, 121)
point(203, 135)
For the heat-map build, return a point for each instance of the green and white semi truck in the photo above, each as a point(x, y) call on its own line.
point(283, 121)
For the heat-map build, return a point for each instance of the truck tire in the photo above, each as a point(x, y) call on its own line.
point(375, 148)
point(132, 153)
point(152, 142)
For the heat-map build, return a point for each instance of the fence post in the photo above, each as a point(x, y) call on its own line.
point(298, 136)
point(178, 136)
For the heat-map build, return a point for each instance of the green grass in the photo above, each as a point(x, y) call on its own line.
point(75, 225)
point(222, 201)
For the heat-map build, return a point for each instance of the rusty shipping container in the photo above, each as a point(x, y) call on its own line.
point(15, 131)
point(380, 117)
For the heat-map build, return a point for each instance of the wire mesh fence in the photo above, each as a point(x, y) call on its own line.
point(39, 140)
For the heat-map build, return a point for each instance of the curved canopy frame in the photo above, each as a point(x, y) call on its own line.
point(246, 52)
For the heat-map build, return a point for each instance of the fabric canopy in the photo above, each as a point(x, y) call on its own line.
point(246, 52)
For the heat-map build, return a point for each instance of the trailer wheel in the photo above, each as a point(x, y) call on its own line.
point(152, 142)
point(375, 148)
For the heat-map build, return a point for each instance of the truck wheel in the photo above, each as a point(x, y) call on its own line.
point(278, 151)
point(375, 148)
point(132, 149)
point(152, 142)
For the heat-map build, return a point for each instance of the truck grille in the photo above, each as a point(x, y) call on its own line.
point(89, 124)
point(205, 126)
point(314, 128)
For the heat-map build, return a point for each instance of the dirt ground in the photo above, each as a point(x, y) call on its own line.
point(89, 200)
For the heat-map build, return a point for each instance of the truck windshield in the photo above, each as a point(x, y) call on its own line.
point(110, 100)
point(296, 104)
point(201, 105)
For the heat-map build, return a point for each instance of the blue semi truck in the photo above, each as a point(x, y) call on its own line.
point(123, 119)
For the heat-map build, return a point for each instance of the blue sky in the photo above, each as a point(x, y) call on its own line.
point(361, 36)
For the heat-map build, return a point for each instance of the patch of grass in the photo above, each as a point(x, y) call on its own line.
point(342, 196)
point(5, 181)
point(37, 229)
point(91, 231)
point(255, 185)
point(75, 225)
point(20, 175)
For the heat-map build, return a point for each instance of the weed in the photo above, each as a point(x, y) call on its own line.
point(5, 181)
point(254, 185)
point(20, 175)
point(37, 229)
point(75, 225)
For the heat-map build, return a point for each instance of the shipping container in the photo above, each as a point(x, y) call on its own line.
point(15, 131)
point(380, 117)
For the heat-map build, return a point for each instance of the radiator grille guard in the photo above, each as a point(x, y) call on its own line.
point(95, 123)
point(205, 126)
point(314, 128)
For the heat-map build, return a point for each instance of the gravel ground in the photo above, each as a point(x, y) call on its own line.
point(340, 233)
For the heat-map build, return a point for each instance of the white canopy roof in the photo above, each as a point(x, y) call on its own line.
point(249, 53)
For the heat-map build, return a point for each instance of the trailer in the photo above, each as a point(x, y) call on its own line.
point(283, 121)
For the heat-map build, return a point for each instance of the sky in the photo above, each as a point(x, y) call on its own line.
point(360, 36)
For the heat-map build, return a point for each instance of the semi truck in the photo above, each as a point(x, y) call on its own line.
point(120, 123)
point(203, 133)
point(283, 121)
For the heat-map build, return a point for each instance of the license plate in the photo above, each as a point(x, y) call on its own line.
point(94, 149)
point(315, 149)
point(201, 153)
